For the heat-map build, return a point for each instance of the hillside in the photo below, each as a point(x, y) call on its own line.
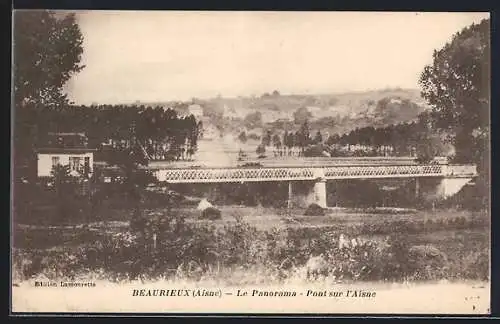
point(330, 113)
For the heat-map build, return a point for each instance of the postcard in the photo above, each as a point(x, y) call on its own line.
point(210, 162)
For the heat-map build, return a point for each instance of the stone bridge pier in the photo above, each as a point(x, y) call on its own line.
point(437, 189)
point(430, 189)
point(304, 193)
point(308, 184)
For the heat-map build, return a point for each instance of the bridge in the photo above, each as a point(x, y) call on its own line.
point(437, 179)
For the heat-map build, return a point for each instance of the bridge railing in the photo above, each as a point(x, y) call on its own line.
point(392, 171)
point(213, 175)
point(460, 170)
point(234, 174)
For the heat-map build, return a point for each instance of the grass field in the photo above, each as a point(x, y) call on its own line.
point(264, 218)
point(260, 240)
point(416, 261)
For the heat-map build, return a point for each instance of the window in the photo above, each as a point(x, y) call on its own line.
point(55, 161)
point(74, 163)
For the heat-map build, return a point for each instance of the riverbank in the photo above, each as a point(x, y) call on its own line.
point(263, 250)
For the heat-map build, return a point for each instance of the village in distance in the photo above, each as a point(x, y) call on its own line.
point(363, 187)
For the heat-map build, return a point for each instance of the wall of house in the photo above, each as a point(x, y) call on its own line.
point(44, 165)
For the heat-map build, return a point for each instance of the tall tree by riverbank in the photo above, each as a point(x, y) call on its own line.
point(457, 85)
point(48, 49)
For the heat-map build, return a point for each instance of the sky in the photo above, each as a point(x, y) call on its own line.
point(161, 56)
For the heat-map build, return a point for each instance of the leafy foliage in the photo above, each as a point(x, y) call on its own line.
point(266, 138)
point(457, 85)
point(261, 150)
point(301, 115)
point(314, 210)
point(162, 133)
point(402, 139)
point(253, 120)
point(169, 246)
point(242, 137)
point(48, 52)
point(47, 49)
point(318, 138)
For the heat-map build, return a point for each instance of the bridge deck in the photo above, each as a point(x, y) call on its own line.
point(292, 162)
point(261, 174)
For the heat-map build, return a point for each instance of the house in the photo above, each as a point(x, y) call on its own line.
point(65, 149)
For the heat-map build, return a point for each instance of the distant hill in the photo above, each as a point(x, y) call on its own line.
point(332, 113)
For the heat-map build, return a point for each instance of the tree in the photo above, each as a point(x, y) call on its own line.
point(276, 142)
point(318, 139)
point(136, 178)
point(242, 137)
point(62, 180)
point(261, 150)
point(304, 137)
point(285, 141)
point(296, 139)
point(266, 138)
point(66, 190)
point(332, 139)
point(47, 52)
point(301, 115)
point(199, 127)
point(253, 120)
point(193, 136)
point(383, 105)
point(457, 85)
point(241, 155)
point(289, 141)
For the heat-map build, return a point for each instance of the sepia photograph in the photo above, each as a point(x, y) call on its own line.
point(250, 162)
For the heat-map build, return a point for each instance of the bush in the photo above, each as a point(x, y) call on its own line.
point(314, 210)
point(168, 246)
point(427, 262)
point(315, 150)
point(211, 213)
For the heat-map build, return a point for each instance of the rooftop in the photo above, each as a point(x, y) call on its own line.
point(69, 140)
point(63, 150)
